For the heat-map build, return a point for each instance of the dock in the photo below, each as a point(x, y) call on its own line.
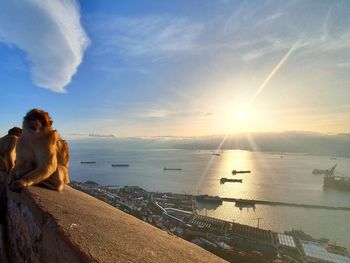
point(274, 203)
point(253, 202)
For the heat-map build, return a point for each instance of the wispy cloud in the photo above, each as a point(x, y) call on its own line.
point(269, 19)
point(156, 36)
point(267, 46)
point(50, 34)
point(155, 113)
point(273, 26)
point(344, 65)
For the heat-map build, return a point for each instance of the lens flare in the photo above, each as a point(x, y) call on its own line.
point(273, 72)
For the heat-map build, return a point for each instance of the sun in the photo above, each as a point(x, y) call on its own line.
point(240, 115)
point(231, 118)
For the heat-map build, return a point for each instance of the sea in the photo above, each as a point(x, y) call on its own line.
point(281, 177)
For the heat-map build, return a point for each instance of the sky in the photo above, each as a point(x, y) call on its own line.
point(176, 68)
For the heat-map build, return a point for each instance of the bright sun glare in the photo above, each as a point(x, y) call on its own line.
point(230, 118)
point(240, 115)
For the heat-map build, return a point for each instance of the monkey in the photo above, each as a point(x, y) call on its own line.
point(8, 150)
point(42, 155)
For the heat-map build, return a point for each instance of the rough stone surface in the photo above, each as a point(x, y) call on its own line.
point(71, 226)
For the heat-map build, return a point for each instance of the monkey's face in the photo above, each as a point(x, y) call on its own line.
point(37, 121)
point(34, 126)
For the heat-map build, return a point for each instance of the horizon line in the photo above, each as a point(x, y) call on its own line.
point(114, 136)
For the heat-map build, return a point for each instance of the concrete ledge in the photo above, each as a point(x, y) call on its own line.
point(71, 226)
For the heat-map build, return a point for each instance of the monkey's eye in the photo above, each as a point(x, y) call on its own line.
point(33, 125)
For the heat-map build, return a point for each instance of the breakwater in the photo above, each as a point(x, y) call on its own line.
point(275, 203)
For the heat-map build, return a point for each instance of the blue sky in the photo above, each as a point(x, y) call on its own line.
point(182, 68)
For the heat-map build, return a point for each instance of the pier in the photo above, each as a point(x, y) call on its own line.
point(274, 203)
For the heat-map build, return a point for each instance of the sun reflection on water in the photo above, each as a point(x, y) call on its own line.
point(223, 165)
point(236, 160)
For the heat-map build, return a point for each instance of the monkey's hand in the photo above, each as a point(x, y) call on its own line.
point(13, 176)
point(17, 185)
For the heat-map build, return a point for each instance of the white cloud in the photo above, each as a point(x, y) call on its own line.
point(50, 34)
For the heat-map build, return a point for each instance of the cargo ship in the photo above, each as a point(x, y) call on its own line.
point(208, 198)
point(225, 180)
point(328, 172)
point(319, 171)
point(245, 204)
point(234, 172)
point(330, 180)
point(337, 182)
point(85, 162)
point(172, 169)
point(120, 165)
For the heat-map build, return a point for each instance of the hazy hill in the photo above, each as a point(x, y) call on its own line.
point(285, 142)
point(292, 142)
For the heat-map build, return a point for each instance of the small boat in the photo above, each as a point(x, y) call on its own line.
point(234, 172)
point(85, 162)
point(172, 169)
point(225, 180)
point(121, 165)
point(216, 154)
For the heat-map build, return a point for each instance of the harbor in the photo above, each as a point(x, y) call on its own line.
point(235, 242)
point(275, 179)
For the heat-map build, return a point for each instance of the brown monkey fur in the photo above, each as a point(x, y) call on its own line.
point(42, 156)
point(8, 150)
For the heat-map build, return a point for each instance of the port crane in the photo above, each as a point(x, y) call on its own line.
point(259, 218)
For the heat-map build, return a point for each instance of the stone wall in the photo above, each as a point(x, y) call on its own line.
point(71, 226)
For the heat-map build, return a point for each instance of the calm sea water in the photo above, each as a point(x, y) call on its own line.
point(287, 179)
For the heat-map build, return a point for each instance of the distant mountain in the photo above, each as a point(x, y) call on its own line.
point(102, 135)
point(291, 142)
point(283, 142)
point(72, 136)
